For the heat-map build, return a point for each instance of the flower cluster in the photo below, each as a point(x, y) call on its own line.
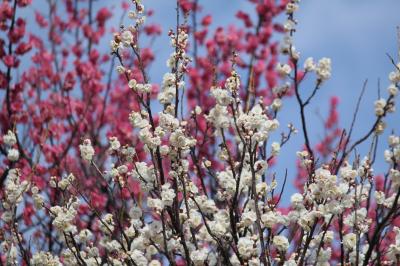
point(10, 140)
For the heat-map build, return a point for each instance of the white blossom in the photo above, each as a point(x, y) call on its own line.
point(168, 121)
point(121, 69)
point(219, 116)
point(13, 155)
point(348, 173)
point(143, 88)
point(10, 138)
point(380, 107)
point(114, 143)
point(281, 243)
point(246, 247)
point(199, 256)
point(107, 224)
point(291, 7)
point(167, 194)
point(394, 76)
point(350, 241)
point(45, 259)
point(137, 120)
point(221, 96)
point(323, 69)
point(283, 69)
point(63, 217)
point(14, 188)
point(132, 83)
point(87, 151)
point(127, 38)
point(276, 104)
point(155, 203)
point(309, 64)
point(276, 147)
point(233, 82)
point(393, 90)
point(296, 199)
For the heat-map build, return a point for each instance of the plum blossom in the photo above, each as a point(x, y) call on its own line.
point(323, 69)
point(87, 151)
point(10, 138)
point(13, 155)
point(281, 243)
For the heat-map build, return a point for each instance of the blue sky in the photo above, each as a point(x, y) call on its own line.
point(356, 34)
